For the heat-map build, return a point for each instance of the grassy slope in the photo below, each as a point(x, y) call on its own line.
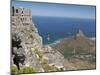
point(82, 45)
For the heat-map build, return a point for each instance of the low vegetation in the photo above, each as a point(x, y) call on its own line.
point(39, 53)
point(14, 69)
point(80, 50)
point(47, 67)
point(23, 70)
point(81, 64)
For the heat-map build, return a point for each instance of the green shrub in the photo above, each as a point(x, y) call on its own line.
point(27, 70)
point(14, 69)
point(49, 68)
point(46, 67)
point(23, 70)
point(53, 68)
point(61, 69)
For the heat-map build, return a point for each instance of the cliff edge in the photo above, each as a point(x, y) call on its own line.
point(27, 46)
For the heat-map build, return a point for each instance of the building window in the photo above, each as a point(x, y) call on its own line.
point(16, 10)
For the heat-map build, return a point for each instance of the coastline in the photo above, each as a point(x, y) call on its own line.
point(59, 40)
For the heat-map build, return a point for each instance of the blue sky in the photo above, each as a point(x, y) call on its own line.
point(58, 10)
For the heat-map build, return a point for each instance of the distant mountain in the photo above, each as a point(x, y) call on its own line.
point(79, 51)
point(79, 43)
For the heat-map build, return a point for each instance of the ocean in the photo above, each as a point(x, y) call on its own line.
point(56, 28)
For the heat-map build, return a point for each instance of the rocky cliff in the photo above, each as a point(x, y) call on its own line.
point(27, 46)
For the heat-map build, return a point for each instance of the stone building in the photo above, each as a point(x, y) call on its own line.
point(24, 13)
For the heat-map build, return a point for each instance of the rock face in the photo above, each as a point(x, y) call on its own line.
point(27, 47)
point(25, 36)
point(53, 56)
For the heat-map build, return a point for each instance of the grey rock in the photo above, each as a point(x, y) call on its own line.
point(25, 40)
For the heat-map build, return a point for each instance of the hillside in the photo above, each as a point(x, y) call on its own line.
point(78, 49)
